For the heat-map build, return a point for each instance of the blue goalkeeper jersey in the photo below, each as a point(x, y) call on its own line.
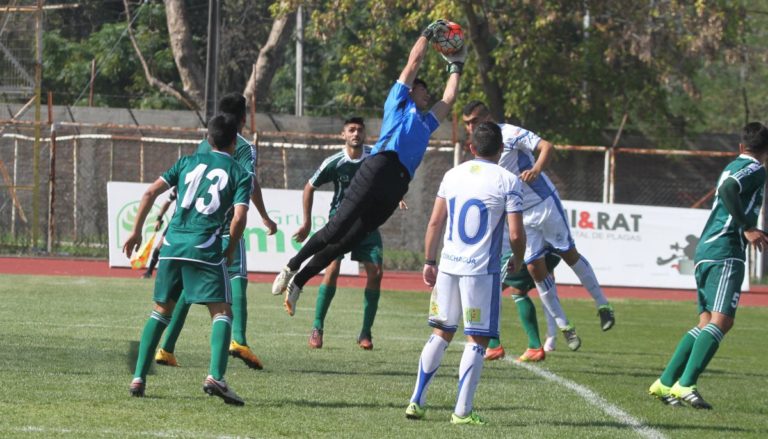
point(404, 128)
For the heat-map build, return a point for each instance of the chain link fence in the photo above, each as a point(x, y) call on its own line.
point(87, 157)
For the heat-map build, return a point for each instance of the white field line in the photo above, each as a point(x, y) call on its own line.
point(596, 400)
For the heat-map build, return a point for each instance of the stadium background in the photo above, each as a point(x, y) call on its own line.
point(96, 145)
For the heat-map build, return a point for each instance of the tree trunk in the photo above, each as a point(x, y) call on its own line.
point(187, 61)
point(480, 35)
point(270, 57)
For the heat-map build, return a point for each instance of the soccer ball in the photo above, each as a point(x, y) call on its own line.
point(450, 40)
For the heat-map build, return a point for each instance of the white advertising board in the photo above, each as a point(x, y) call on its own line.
point(264, 253)
point(635, 246)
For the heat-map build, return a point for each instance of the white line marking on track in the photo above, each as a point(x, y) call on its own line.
point(593, 398)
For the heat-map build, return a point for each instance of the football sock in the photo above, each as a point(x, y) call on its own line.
point(178, 318)
point(370, 306)
point(703, 350)
point(548, 294)
point(494, 343)
point(551, 324)
point(313, 245)
point(239, 309)
point(324, 297)
point(429, 362)
point(587, 277)
point(527, 312)
point(679, 359)
point(469, 376)
point(221, 333)
point(150, 337)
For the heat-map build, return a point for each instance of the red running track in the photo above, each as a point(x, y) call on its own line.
point(393, 280)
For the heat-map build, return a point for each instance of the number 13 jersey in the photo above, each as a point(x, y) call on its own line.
point(209, 185)
point(479, 194)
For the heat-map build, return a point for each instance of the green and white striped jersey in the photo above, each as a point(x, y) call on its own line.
point(339, 169)
point(209, 185)
point(721, 238)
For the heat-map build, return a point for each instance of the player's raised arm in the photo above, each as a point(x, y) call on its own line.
point(147, 201)
point(546, 151)
point(442, 108)
point(418, 51)
point(432, 240)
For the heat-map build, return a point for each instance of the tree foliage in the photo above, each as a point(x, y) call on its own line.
point(567, 69)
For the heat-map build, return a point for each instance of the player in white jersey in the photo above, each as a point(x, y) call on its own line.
point(476, 198)
point(545, 221)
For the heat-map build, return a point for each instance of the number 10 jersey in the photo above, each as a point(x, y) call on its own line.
point(479, 195)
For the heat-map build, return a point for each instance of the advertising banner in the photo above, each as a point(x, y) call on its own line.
point(264, 253)
point(635, 246)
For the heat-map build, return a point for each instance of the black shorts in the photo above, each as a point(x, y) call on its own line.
point(373, 194)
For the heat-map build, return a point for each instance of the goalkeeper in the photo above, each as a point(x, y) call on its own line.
point(382, 180)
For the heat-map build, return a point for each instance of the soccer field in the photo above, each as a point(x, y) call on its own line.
point(65, 361)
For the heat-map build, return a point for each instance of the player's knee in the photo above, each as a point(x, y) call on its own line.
point(445, 335)
point(375, 274)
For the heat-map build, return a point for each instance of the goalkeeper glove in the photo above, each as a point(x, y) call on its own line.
point(456, 60)
point(430, 31)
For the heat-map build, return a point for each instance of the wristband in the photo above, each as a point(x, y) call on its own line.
point(430, 262)
point(455, 67)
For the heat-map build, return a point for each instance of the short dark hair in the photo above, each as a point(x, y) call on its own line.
point(356, 120)
point(234, 104)
point(222, 130)
point(487, 139)
point(754, 137)
point(421, 82)
point(472, 105)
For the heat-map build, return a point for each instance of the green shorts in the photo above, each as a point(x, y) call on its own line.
point(521, 280)
point(718, 285)
point(239, 266)
point(201, 283)
point(370, 249)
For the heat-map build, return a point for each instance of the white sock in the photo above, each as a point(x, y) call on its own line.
point(551, 324)
point(469, 377)
point(586, 275)
point(548, 295)
point(429, 362)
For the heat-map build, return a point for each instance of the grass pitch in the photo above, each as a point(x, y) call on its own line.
point(65, 348)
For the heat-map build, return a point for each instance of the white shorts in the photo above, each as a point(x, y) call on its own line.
point(546, 228)
point(476, 298)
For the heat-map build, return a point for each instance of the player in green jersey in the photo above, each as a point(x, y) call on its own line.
point(339, 169)
point(245, 155)
point(519, 283)
point(192, 255)
point(719, 268)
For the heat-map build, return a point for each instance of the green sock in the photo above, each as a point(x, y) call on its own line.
point(180, 312)
point(703, 350)
point(494, 343)
point(324, 297)
point(679, 359)
point(527, 312)
point(370, 306)
point(150, 337)
point(239, 310)
point(221, 333)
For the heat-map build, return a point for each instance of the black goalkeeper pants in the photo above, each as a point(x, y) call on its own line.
point(372, 196)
